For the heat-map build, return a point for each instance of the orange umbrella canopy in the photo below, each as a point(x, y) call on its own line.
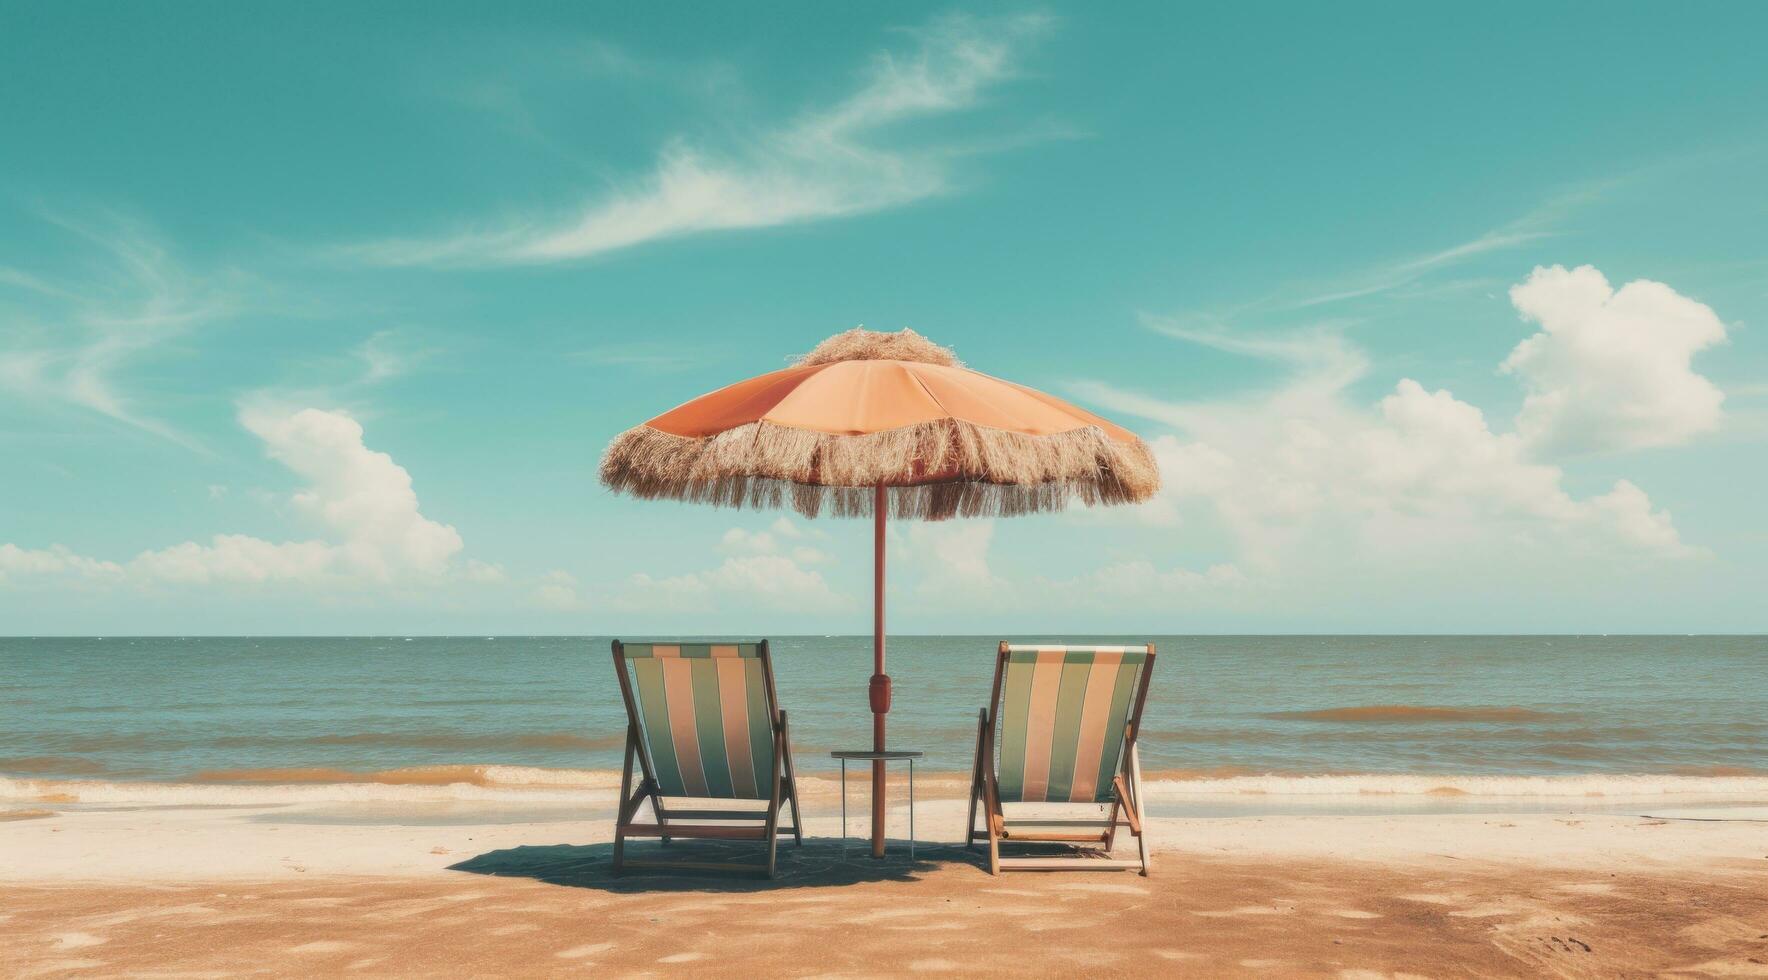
point(867, 409)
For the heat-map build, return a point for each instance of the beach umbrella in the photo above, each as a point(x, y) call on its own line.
point(873, 424)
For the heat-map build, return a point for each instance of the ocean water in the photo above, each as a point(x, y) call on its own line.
point(1332, 714)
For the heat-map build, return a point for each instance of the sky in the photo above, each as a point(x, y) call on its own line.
point(315, 318)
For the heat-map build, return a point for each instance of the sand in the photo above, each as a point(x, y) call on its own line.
point(315, 891)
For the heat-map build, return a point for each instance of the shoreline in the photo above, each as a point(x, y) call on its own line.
point(518, 785)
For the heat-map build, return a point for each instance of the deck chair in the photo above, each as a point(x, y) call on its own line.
point(1059, 729)
point(705, 725)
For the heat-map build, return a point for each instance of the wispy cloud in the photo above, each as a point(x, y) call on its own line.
point(1395, 275)
point(1408, 273)
point(827, 163)
point(69, 338)
point(389, 354)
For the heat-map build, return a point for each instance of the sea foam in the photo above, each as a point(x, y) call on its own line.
point(527, 784)
point(422, 784)
point(1610, 785)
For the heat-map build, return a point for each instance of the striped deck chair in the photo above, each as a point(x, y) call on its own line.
point(705, 725)
point(1060, 728)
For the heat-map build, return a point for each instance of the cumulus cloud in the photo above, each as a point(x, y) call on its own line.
point(827, 163)
point(744, 541)
point(951, 565)
point(362, 499)
point(774, 581)
point(951, 559)
point(1305, 472)
point(53, 561)
point(558, 591)
point(1611, 369)
point(1141, 582)
point(756, 572)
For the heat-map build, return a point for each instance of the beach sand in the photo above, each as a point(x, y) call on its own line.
point(310, 890)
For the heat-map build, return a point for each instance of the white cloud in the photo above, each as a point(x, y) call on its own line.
point(68, 340)
point(558, 591)
point(56, 560)
point(746, 542)
point(742, 541)
point(1611, 369)
point(1139, 582)
point(483, 573)
point(388, 354)
point(825, 164)
point(950, 560)
point(362, 498)
point(1304, 475)
point(360, 494)
point(754, 573)
point(773, 581)
point(1407, 276)
point(951, 565)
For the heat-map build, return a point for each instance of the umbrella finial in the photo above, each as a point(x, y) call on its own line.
point(860, 344)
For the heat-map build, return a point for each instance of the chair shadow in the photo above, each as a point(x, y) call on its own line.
point(820, 862)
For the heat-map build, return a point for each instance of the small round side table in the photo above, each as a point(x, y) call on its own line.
point(867, 755)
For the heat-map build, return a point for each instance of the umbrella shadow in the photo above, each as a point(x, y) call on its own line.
point(820, 862)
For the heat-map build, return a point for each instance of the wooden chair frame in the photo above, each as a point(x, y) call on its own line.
point(1125, 807)
point(733, 824)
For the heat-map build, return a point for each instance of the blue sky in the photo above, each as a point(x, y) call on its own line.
point(316, 319)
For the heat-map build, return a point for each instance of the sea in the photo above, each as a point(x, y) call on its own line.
point(1233, 723)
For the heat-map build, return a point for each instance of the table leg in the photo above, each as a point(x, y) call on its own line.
point(843, 809)
point(911, 809)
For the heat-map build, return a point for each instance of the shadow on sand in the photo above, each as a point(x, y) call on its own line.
point(819, 862)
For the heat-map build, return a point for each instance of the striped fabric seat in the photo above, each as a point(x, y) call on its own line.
point(704, 717)
point(1063, 715)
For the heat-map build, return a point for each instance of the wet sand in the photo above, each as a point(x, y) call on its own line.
point(280, 892)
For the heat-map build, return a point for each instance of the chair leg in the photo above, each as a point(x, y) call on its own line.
point(970, 824)
point(975, 783)
point(1141, 814)
point(993, 814)
point(625, 799)
point(773, 802)
point(1111, 825)
point(791, 781)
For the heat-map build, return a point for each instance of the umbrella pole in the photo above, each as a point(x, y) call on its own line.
point(880, 689)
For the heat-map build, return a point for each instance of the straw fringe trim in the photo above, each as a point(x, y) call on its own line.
point(932, 471)
point(860, 344)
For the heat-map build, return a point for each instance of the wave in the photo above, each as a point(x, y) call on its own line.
point(68, 764)
point(527, 784)
point(451, 775)
point(10, 815)
point(1413, 712)
point(85, 742)
point(279, 787)
point(440, 740)
point(1728, 785)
